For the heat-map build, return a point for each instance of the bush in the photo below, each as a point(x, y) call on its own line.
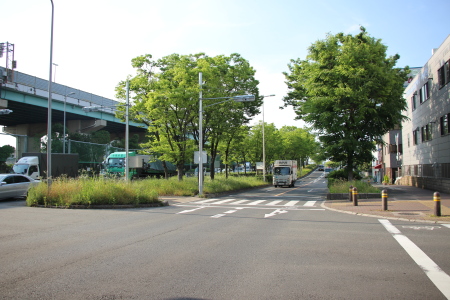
point(342, 186)
point(66, 192)
point(91, 191)
point(341, 175)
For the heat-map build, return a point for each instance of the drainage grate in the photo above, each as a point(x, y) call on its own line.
point(409, 214)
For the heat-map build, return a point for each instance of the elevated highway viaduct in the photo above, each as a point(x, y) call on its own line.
point(27, 97)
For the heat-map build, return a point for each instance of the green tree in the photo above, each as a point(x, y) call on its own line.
point(166, 98)
point(297, 143)
point(350, 92)
point(225, 76)
point(272, 140)
point(230, 143)
point(5, 152)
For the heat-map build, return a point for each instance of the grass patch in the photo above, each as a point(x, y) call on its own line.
point(342, 186)
point(66, 192)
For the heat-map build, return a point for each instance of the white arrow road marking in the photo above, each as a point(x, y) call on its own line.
point(446, 225)
point(311, 190)
point(275, 212)
point(440, 279)
point(190, 210)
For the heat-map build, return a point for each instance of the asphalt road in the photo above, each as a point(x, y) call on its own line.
point(269, 243)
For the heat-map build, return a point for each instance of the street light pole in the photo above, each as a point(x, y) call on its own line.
point(127, 133)
point(264, 141)
point(54, 74)
point(264, 145)
point(200, 136)
point(64, 127)
point(49, 117)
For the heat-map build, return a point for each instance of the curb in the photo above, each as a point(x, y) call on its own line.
point(382, 217)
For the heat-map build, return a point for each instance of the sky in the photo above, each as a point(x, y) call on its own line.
point(95, 40)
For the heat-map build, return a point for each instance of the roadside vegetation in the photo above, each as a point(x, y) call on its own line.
point(66, 192)
point(342, 186)
point(338, 183)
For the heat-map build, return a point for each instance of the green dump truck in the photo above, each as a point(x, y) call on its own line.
point(141, 166)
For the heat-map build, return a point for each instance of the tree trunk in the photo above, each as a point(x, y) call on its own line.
point(180, 169)
point(350, 166)
point(166, 172)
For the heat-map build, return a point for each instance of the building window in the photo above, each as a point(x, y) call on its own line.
point(426, 132)
point(416, 136)
point(444, 74)
point(444, 124)
point(424, 93)
point(414, 101)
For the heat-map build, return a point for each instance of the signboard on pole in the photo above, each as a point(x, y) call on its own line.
point(259, 165)
point(197, 157)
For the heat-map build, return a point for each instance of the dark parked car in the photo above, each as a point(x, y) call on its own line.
point(320, 168)
point(15, 185)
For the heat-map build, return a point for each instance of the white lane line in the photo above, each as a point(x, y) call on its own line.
point(240, 201)
point(223, 201)
point(440, 279)
point(230, 211)
point(255, 202)
point(206, 201)
point(309, 203)
point(274, 202)
point(446, 225)
point(291, 203)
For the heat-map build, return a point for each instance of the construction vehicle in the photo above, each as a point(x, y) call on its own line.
point(140, 166)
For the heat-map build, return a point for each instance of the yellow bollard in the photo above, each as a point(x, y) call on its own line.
point(437, 204)
point(355, 196)
point(384, 199)
point(350, 189)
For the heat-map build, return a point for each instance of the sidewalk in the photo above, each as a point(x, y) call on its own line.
point(404, 203)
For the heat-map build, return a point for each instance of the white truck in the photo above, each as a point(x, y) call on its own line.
point(35, 165)
point(284, 173)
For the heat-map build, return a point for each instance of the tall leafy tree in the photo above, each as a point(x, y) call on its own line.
point(231, 145)
point(350, 92)
point(225, 76)
point(298, 144)
point(166, 95)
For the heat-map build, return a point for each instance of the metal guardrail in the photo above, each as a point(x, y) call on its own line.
point(36, 83)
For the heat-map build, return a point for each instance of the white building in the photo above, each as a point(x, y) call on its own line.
point(425, 151)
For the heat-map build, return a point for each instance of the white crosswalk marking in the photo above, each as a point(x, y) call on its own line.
point(233, 201)
point(274, 202)
point(206, 201)
point(224, 201)
point(255, 202)
point(240, 201)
